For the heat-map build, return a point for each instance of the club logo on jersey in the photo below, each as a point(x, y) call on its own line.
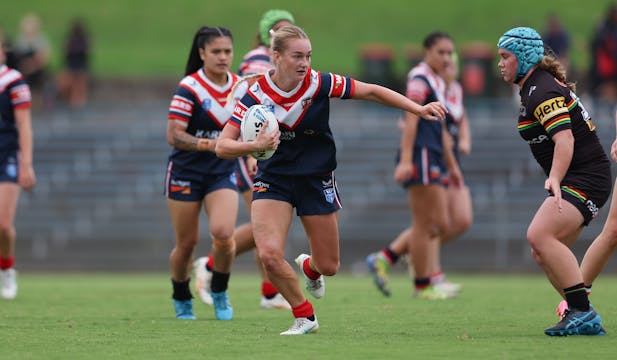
point(551, 106)
point(207, 104)
point(327, 183)
point(329, 195)
point(179, 186)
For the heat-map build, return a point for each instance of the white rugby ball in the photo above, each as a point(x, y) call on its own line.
point(255, 119)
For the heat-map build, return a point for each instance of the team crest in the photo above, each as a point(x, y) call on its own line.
point(207, 104)
point(329, 194)
point(306, 103)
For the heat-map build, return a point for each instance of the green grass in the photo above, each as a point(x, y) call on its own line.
point(130, 316)
point(152, 37)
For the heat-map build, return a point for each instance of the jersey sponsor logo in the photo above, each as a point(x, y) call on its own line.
point(329, 194)
point(180, 186)
point(435, 172)
point(538, 140)
point(287, 135)
point(261, 186)
point(210, 134)
point(550, 106)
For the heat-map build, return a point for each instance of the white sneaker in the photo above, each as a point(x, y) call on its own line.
point(448, 287)
point(9, 283)
point(317, 287)
point(277, 302)
point(203, 279)
point(302, 326)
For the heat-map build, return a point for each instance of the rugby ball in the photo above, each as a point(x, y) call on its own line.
point(255, 119)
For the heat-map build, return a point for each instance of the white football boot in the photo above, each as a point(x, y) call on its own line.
point(8, 278)
point(203, 279)
point(316, 287)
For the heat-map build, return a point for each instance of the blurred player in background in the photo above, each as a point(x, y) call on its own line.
point(16, 170)
point(195, 175)
point(256, 61)
point(300, 174)
point(562, 139)
point(460, 210)
point(425, 159)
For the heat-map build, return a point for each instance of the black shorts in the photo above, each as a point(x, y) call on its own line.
point(587, 192)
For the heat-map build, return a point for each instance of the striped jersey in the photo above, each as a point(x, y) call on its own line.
point(456, 108)
point(423, 87)
point(256, 61)
point(307, 144)
point(14, 94)
point(202, 106)
point(549, 106)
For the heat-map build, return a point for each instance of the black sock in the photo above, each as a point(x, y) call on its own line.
point(576, 296)
point(422, 283)
point(182, 290)
point(219, 281)
point(391, 254)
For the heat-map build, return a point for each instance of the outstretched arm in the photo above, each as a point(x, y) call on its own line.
point(385, 96)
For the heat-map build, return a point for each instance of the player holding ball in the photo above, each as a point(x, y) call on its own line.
point(300, 174)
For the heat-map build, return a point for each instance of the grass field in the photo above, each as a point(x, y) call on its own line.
point(152, 37)
point(130, 316)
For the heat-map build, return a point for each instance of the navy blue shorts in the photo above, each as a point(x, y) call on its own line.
point(244, 181)
point(9, 168)
point(188, 185)
point(309, 194)
point(429, 168)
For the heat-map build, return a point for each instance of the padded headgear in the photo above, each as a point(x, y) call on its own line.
point(268, 20)
point(526, 44)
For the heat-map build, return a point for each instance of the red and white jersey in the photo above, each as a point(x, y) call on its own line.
point(422, 81)
point(256, 61)
point(454, 101)
point(14, 94)
point(307, 144)
point(204, 108)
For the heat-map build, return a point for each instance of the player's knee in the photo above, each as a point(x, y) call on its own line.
point(271, 259)
point(222, 233)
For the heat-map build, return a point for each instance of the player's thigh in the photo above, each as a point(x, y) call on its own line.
point(550, 222)
point(323, 236)
point(221, 207)
point(9, 195)
point(271, 220)
point(184, 217)
point(428, 205)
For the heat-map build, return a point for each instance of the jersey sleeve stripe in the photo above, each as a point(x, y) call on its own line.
point(556, 122)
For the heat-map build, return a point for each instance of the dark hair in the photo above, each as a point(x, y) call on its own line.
point(432, 38)
point(203, 36)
